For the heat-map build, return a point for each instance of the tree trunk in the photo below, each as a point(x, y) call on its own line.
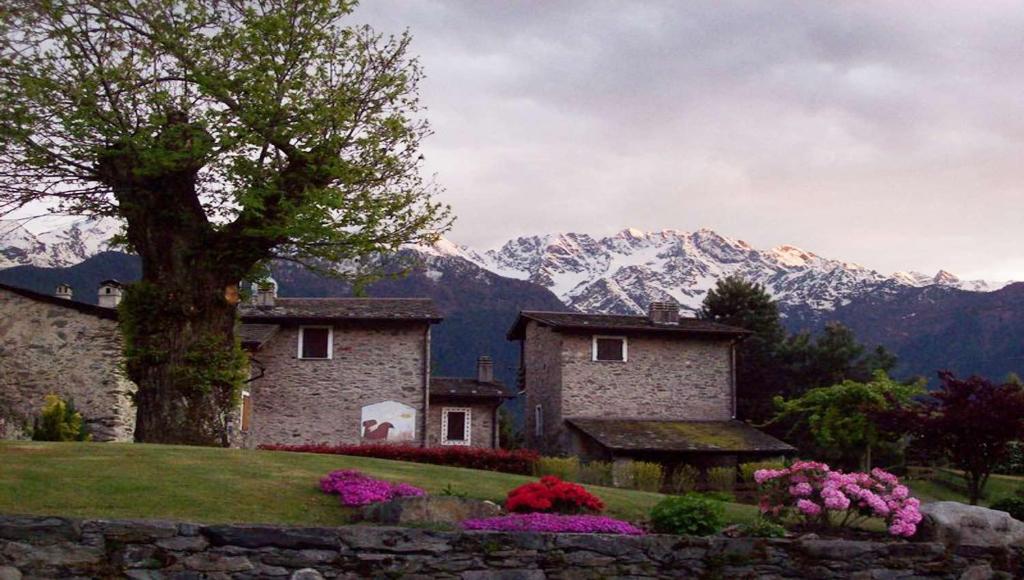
point(177, 324)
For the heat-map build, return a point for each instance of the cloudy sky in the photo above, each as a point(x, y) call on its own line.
point(890, 134)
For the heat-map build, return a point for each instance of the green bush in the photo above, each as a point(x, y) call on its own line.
point(642, 475)
point(684, 479)
point(596, 473)
point(1012, 505)
point(564, 468)
point(690, 514)
point(647, 475)
point(762, 528)
point(722, 478)
point(59, 421)
point(747, 469)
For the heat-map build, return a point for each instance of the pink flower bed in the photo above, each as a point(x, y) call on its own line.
point(822, 496)
point(357, 489)
point(540, 522)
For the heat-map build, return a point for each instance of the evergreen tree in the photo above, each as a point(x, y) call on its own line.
point(830, 358)
point(759, 374)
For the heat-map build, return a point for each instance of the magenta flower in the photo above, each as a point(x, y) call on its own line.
point(357, 489)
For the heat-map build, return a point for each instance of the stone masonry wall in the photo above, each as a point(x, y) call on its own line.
point(41, 547)
point(46, 348)
point(481, 418)
point(543, 385)
point(320, 401)
point(662, 378)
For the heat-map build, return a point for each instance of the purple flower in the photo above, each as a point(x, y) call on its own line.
point(556, 523)
point(357, 489)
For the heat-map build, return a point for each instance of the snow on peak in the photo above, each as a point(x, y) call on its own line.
point(66, 244)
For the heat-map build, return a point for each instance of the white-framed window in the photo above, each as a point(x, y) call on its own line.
point(456, 423)
point(610, 348)
point(316, 342)
point(538, 421)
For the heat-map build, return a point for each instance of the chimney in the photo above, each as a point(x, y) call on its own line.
point(484, 369)
point(266, 292)
point(110, 293)
point(663, 312)
point(63, 291)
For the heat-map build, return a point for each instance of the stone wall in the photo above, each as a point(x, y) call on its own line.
point(51, 347)
point(320, 401)
point(543, 384)
point(56, 547)
point(663, 378)
point(481, 419)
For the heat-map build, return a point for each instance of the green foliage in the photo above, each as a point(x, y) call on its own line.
point(841, 420)
point(831, 357)
point(643, 475)
point(449, 491)
point(1013, 505)
point(510, 435)
point(762, 528)
point(597, 473)
point(747, 469)
point(59, 421)
point(564, 468)
point(722, 478)
point(1014, 462)
point(691, 514)
point(684, 479)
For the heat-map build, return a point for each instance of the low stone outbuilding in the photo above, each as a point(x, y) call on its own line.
point(464, 410)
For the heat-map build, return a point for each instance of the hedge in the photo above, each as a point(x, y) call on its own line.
point(519, 461)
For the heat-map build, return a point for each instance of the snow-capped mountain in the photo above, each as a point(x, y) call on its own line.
point(624, 272)
point(64, 245)
point(621, 273)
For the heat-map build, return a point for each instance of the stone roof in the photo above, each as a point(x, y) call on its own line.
point(696, 436)
point(619, 323)
point(109, 313)
point(467, 387)
point(254, 336)
point(338, 309)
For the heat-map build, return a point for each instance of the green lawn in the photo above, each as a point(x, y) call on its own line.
point(999, 486)
point(229, 485)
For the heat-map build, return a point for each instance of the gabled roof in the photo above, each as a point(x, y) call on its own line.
point(619, 323)
point(683, 436)
point(312, 310)
point(108, 313)
point(468, 388)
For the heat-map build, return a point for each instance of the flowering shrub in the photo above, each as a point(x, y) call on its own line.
point(577, 524)
point(551, 494)
point(519, 461)
point(355, 488)
point(816, 493)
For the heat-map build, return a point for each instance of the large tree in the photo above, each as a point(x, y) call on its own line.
point(759, 376)
point(223, 133)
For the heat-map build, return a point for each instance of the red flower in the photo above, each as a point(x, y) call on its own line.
point(551, 494)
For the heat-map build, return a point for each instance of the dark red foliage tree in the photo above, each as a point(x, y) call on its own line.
point(971, 422)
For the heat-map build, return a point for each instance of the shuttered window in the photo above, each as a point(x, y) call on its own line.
point(315, 342)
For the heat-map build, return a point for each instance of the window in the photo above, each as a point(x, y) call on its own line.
point(315, 342)
point(455, 426)
point(610, 348)
point(538, 421)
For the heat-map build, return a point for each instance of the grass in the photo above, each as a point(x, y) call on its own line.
point(998, 487)
point(110, 480)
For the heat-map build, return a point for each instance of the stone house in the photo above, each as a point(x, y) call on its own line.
point(53, 344)
point(323, 370)
point(658, 387)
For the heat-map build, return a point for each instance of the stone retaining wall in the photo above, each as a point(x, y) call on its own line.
point(58, 547)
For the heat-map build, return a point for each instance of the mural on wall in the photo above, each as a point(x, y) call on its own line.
point(389, 421)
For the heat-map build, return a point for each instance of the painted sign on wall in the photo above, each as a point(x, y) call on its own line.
point(387, 422)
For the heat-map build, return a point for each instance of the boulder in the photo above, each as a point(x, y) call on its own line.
point(430, 510)
point(957, 524)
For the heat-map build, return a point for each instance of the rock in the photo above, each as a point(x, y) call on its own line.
point(183, 543)
point(216, 563)
point(954, 524)
point(429, 509)
point(38, 530)
point(265, 536)
point(977, 572)
point(503, 575)
point(9, 573)
point(307, 574)
point(132, 531)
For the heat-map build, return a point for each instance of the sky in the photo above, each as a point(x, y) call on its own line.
point(885, 133)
